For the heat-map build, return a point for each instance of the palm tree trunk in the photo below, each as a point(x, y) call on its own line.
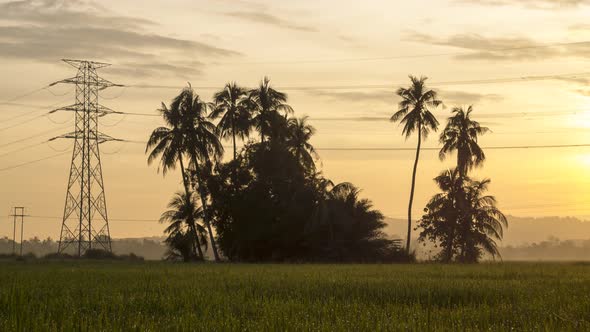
point(205, 212)
point(234, 138)
point(450, 242)
point(412, 189)
point(191, 220)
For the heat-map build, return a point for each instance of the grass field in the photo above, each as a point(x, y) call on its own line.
point(159, 296)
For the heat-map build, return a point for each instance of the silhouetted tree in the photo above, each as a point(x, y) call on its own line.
point(441, 222)
point(414, 113)
point(300, 132)
point(464, 231)
point(482, 225)
point(269, 103)
point(181, 217)
point(179, 247)
point(203, 146)
point(270, 205)
point(168, 144)
point(235, 109)
point(344, 227)
point(461, 135)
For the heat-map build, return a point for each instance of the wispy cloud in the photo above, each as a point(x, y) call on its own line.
point(480, 47)
point(388, 97)
point(580, 27)
point(537, 4)
point(580, 85)
point(269, 19)
point(376, 96)
point(47, 30)
point(452, 98)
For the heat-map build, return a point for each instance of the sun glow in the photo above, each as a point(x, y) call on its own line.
point(585, 159)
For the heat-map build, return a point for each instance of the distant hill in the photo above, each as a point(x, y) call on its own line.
point(521, 230)
point(537, 239)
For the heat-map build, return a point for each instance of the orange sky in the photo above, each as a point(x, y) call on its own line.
point(316, 44)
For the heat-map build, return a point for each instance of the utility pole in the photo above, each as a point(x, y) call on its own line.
point(85, 223)
point(19, 211)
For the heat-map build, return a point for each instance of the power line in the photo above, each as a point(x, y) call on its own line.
point(23, 148)
point(116, 123)
point(138, 114)
point(26, 94)
point(23, 122)
point(32, 162)
point(19, 116)
point(506, 147)
point(46, 115)
point(515, 147)
point(110, 219)
point(33, 118)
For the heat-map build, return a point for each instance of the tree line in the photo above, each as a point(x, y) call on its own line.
point(271, 203)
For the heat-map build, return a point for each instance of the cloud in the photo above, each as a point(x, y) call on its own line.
point(268, 19)
point(451, 98)
point(580, 27)
point(376, 96)
point(581, 85)
point(48, 30)
point(537, 4)
point(479, 47)
point(388, 97)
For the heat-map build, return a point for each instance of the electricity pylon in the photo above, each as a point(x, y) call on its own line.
point(85, 219)
point(19, 212)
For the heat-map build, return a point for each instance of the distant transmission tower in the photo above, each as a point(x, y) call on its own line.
point(85, 219)
point(19, 212)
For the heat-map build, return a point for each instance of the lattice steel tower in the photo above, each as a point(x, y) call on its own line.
point(85, 219)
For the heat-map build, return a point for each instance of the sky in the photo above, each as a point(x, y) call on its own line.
point(340, 63)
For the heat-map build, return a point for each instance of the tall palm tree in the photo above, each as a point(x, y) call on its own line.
point(414, 113)
point(183, 210)
point(202, 145)
point(269, 102)
point(235, 110)
point(300, 132)
point(168, 144)
point(461, 135)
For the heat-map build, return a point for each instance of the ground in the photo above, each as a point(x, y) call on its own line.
point(113, 296)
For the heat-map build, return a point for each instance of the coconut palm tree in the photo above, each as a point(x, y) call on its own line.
point(202, 145)
point(269, 102)
point(182, 214)
point(167, 143)
point(441, 221)
point(235, 109)
point(481, 224)
point(461, 134)
point(300, 132)
point(353, 227)
point(465, 222)
point(414, 114)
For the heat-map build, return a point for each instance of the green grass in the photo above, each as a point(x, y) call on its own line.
point(158, 296)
